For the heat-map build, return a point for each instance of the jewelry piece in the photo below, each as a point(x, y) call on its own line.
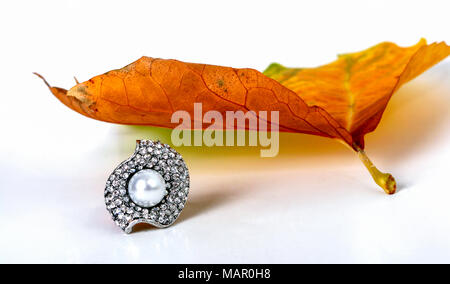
point(149, 187)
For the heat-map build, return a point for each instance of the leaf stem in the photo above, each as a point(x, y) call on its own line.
point(385, 180)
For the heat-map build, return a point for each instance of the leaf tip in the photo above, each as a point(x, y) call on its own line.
point(43, 79)
point(59, 93)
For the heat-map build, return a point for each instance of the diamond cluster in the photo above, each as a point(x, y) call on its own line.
point(167, 162)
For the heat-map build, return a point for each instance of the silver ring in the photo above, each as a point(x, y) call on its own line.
point(150, 187)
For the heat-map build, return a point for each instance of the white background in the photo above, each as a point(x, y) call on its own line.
point(315, 202)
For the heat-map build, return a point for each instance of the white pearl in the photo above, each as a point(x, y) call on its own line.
point(147, 188)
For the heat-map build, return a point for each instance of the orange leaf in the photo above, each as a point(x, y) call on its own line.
point(343, 100)
point(149, 90)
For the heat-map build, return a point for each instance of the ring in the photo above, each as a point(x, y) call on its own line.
point(150, 187)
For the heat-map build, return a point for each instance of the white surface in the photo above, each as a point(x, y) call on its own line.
point(313, 203)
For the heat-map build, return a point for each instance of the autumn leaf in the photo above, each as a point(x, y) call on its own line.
point(356, 88)
point(343, 100)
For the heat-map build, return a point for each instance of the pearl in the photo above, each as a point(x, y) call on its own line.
point(147, 188)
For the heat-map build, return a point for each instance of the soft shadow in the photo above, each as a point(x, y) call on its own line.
point(402, 186)
point(204, 203)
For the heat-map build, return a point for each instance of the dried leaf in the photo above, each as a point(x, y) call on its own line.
point(148, 91)
point(343, 100)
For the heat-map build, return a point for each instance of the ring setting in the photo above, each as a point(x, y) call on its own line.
point(150, 187)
